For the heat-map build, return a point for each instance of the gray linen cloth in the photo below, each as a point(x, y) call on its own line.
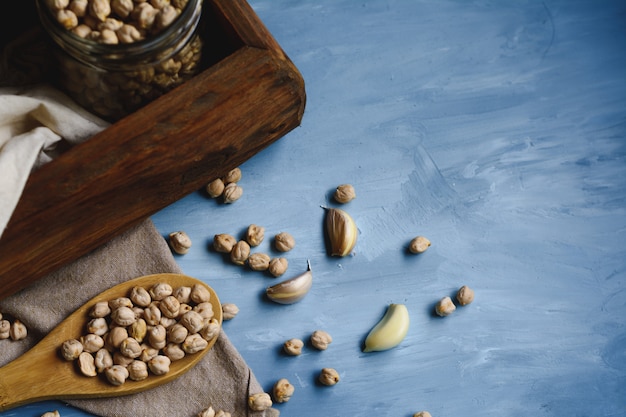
point(221, 379)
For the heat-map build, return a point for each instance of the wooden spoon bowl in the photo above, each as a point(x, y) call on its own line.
point(42, 373)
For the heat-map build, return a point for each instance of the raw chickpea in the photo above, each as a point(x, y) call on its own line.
point(5, 329)
point(86, 364)
point(71, 349)
point(194, 343)
point(182, 294)
point(120, 302)
point(98, 326)
point(140, 296)
point(116, 374)
point(229, 311)
point(284, 242)
point(119, 359)
point(193, 321)
point(282, 391)
point(18, 330)
point(234, 175)
point(344, 193)
point(170, 307)
point(255, 235)
point(54, 413)
point(224, 243)
point(278, 266)
point(174, 351)
point(180, 242)
point(419, 244)
point(465, 295)
point(329, 376)
point(445, 307)
point(123, 316)
point(215, 188)
point(205, 310)
point(240, 252)
point(160, 290)
point(293, 347)
point(232, 192)
point(199, 294)
point(116, 336)
point(207, 412)
point(211, 329)
point(422, 414)
point(137, 370)
point(103, 360)
point(100, 309)
point(321, 339)
point(130, 348)
point(152, 314)
point(177, 333)
point(259, 262)
point(159, 365)
point(157, 336)
point(92, 343)
point(260, 401)
point(138, 330)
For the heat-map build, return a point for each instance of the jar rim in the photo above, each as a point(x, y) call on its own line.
point(146, 51)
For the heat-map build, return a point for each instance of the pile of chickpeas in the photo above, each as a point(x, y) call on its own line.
point(15, 330)
point(131, 337)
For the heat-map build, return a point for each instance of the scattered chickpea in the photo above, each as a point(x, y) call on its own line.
point(240, 252)
point(207, 412)
point(180, 242)
point(229, 311)
point(222, 413)
point(255, 235)
point(344, 193)
point(445, 307)
point(293, 347)
point(422, 414)
point(18, 330)
point(328, 376)
point(260, 401)
point(465, 295)
point(224, 243)
point(419, 244)
point(215, 188)
point(284, 242)
point(259, 261)
point(282, 391)
point(54, 413)
point(321, 339)
point(232, 192)
point(278, 266)
point(234, 175)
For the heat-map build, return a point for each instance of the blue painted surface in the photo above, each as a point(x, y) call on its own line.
point(498, 130)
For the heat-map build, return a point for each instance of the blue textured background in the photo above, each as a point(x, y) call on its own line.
point(495, 128)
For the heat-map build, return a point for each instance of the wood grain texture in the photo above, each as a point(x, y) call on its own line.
point(164, 151)
point(41, 373)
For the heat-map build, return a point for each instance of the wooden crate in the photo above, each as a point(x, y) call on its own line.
point(249, 95)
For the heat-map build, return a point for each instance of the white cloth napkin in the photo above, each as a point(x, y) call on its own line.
point(34, 122)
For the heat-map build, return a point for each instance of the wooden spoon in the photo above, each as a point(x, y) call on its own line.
point(42, 373)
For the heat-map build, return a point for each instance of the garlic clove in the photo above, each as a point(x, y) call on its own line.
point(390, 330)
point(342, 231)
point(291, 290)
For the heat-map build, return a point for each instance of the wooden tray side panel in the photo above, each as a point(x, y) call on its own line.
point(150, 159)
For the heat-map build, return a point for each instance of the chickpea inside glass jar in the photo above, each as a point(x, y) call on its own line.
point(115, 56)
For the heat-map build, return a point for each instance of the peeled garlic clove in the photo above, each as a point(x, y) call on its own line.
point(342, 232)
point(291, 290)
point(390, 330)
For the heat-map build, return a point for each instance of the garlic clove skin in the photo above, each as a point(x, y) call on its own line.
point(342, 232)
point(291, 290)
point(390, 330)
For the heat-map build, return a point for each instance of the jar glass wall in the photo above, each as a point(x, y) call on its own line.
point(115, 58)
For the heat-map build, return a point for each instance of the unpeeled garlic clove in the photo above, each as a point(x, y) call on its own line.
point(342, 231)
point(390, 330)
point(291, 290)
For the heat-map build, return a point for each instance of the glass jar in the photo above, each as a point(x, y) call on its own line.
point(114, 80)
